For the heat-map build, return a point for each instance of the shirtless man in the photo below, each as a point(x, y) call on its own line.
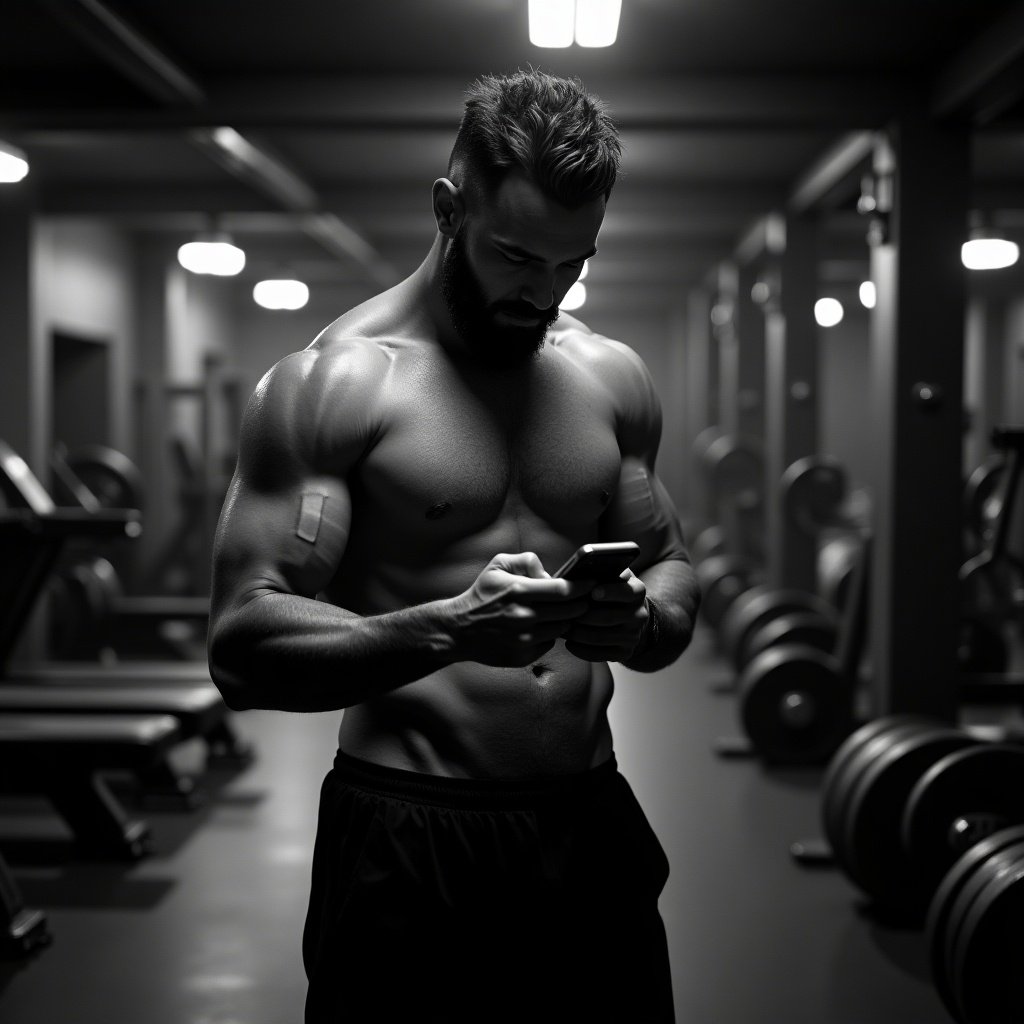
point(405, 488)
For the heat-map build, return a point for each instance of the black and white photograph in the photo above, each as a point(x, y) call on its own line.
point(511, 512)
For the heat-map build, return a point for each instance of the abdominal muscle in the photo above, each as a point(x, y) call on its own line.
point(476, 721)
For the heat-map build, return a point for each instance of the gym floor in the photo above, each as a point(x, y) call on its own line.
point(207, 929)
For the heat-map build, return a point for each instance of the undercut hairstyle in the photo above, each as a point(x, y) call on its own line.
point(550, 128)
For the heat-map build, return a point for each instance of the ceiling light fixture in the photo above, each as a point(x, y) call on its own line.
point(280, 293)
point(867, 294)
point(986, 250)
point(13, 163)
point(828, 312)
point(597, 22)
point(213, 253)
point(558, 23)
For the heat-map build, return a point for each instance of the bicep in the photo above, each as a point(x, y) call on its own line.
point(289, 540)
point(642, 510)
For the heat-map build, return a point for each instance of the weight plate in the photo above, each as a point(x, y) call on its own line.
point(844, 771)
point(981, 787)
point(870, 838)
point(987, 980)
point(707, 544)
point(943, 906)
point(756, 608)
point(732, 622)
point(796, 707)
point(805, 629)
point(955, 894)
point(111, 476)
point(722, 579)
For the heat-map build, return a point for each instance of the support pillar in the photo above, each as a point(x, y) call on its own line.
point(791, 392)
point(915, 421)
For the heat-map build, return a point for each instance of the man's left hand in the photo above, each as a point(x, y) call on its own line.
point(610, 630)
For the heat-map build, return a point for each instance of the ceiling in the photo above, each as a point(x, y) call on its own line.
point(343, 113)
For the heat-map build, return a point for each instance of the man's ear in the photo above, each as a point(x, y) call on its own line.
point(449, 207)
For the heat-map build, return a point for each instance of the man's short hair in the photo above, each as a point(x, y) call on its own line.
point(560, 136)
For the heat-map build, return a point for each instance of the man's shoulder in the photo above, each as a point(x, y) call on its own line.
point(335, 360)
point(613, 361)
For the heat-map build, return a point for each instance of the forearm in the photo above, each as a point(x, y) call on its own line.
point(289, 653)
point(673, 591)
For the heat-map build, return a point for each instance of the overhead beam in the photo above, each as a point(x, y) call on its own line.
point(684, 207)
point(709, 102)
point(162, 78)
point(831, 179)
point(107, 33)
point(984, 78)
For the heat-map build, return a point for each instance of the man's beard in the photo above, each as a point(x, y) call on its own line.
point(494, 344)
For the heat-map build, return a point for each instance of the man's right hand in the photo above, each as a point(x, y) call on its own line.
point(515, 611)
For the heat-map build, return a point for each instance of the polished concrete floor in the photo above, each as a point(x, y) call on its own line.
point(207, 929)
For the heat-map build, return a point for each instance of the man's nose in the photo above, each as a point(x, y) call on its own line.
point(539, 290)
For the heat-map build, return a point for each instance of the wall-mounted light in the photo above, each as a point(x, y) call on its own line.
point(559, 23)
point(13, 163)
point(867, 294)
point(828, 312)
point(987, 250)
point(213, 253)
point(574, 297)
point(280, 293)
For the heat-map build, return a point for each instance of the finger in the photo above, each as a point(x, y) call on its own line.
point(523, 563)
point(551, 590)
point(561, 611)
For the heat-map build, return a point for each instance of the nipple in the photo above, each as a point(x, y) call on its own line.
point(438, 510)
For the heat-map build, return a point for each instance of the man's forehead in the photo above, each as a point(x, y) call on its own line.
point(519, 211)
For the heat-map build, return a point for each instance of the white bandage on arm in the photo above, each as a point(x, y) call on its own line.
point(311, 511)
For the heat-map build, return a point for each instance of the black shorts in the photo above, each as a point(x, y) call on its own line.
point(440, 899)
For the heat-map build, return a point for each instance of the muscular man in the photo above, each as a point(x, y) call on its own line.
point(406, 486)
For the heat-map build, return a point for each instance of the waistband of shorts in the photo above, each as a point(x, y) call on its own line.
point(470, 794)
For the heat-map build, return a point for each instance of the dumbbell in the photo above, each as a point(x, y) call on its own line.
point(798, 616)
point(795, 707)
point(707, 544)
point(974, 931)
point(919, 814)
point(722, 579)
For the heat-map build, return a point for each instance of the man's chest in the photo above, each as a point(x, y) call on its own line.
point(462, 457)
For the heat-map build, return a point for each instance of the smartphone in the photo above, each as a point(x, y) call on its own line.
point(599, 562)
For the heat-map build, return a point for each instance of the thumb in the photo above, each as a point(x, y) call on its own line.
point(526, 563)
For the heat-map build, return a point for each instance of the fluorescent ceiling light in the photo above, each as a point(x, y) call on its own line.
point(552, 22)
point(280, 293)
point(214, 254)
point(13, 163)
point(557, 23)
point(574, 297)
point(597, 22)
point(989, 253)
point(828, 312)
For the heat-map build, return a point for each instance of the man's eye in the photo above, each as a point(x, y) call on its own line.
point(515, 259)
